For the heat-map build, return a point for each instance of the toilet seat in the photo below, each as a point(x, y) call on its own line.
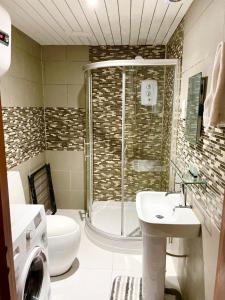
point(60, 225)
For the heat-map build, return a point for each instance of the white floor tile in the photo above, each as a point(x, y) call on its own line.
point(91, 256)
point(127, 262)
point(83, 285)
point(94, 270)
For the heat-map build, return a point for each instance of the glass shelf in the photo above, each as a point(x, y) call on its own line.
point(187, 177)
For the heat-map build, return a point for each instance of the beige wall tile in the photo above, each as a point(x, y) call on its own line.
point(75, 73)
point(62, 198)
point(33, 94)
point(76, 180)
point(76, 96)
point(77, 159)
point(196, 10)
point(65, 160)
point(5, 85)
point(201, 41)
point(17, 92)
point(77, 53)
point(68, 177)
point(55, 95)
point(77, 199)
point(24, 42)
point(55, 72)
point(54, 53)
point(66, 199)
point(61, 179)
point(17, 63)
point(32, 69)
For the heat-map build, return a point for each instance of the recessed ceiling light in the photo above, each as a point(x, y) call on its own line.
point(92, 3)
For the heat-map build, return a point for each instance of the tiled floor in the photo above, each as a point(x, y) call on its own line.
point(94, 270)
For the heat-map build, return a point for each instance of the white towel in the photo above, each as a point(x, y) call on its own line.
point(214, 107)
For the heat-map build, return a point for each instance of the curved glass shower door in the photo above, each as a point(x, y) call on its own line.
point(88, 143)
point(128, 135)
point(143, 138)
point(104, 148)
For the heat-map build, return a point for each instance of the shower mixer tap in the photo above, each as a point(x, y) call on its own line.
point(183, 193)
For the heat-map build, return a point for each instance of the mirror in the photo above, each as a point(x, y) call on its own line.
point(196, 89)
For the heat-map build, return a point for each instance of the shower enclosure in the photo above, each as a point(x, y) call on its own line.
point(129, 113)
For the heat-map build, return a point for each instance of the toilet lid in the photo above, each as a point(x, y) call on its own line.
point(60, 225)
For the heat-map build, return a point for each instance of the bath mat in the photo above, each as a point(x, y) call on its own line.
point(130, 288)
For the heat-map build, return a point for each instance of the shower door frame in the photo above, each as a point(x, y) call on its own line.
point(123, 63)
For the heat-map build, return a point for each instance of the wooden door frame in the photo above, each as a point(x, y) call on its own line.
point(219, 292)
point(7, 274)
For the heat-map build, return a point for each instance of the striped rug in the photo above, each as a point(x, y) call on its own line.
point(130, 288)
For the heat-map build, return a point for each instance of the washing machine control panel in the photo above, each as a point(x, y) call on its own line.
point(31, 230)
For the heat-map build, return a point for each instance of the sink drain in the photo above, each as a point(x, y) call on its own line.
point(159, 216)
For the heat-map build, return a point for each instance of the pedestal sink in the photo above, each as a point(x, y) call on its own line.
point(160, 220)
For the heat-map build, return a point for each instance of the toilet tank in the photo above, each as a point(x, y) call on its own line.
point(15, 188)
point(5, 41)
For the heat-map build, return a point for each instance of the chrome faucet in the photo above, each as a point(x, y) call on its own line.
point(183, 193)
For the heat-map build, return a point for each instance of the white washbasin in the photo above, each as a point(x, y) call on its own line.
point(158, 217)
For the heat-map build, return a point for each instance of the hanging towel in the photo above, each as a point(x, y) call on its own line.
point(214, 107)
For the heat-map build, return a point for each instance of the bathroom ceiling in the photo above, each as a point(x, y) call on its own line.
point(97, 22)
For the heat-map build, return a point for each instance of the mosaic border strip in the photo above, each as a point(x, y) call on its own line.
point(23, 133)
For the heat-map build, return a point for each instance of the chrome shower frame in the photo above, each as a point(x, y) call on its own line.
point(100, 236)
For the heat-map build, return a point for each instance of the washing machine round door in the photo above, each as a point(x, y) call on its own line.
point(34, 282)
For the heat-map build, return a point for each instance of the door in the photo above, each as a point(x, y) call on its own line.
point(220, 274)
point(7, 282)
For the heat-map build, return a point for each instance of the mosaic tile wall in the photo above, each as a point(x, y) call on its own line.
point(24, 133)
point(65, 128)
point(143, 132)
point(208, 155)
point(143, 127)
point(100, 53)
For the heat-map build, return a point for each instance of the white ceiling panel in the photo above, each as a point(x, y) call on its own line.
point(125, 20)
point(158, 19)
point(97, 22)
point(137, 8)
point(146, 22)
point(112, 8)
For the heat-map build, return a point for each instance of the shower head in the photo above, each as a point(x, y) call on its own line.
point(174, 1)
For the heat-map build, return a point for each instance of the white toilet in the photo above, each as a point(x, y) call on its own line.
point(63, 232)
point(63, 243)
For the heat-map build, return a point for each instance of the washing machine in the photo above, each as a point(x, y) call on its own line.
point(30, 251)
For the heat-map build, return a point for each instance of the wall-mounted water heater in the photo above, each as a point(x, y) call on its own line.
point(5, 41)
